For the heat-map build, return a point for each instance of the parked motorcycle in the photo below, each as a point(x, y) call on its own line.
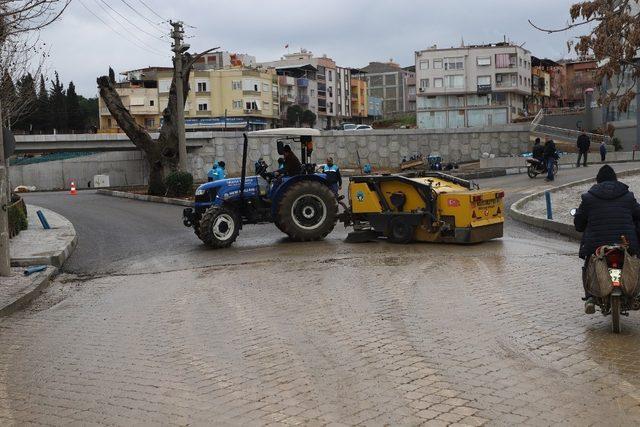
point(612, 277)
point(537, 167)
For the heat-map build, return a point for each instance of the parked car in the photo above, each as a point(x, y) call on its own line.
point(364, 127)
point(347, 126)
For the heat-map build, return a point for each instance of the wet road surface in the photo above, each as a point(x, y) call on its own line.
point(312, 333)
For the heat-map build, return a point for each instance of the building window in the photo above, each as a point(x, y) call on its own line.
point(251, 105)
point(520, 59)
point(265, 87)
point(483, 60)
point(514, 80)
point(236, 85)
point(520, 80)
point(484, 80)
point(456, 81)
point(437, 64)
point(424, 65)
point(203, 106)
point(152, 103)
point(237, 105)
point(454, 63)
point(437, 82)
point(149, 123)
point(330, 76)
point(424, 83)
point(202, 86)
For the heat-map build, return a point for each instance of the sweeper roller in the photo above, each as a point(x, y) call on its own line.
point(425, 207)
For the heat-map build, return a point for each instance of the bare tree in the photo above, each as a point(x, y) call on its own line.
point(20, 21)
point(613, 39)
point(161, 154)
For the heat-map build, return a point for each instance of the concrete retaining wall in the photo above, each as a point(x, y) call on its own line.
point(380, 148)
point(123, 168)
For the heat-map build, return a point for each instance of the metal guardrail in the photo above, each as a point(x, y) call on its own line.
point(569, 134)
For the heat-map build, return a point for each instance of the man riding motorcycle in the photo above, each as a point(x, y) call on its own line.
point(607, 212)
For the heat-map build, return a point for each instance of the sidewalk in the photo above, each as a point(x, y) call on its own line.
point(35, 246)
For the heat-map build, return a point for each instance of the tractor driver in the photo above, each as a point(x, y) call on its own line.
point(292, 165)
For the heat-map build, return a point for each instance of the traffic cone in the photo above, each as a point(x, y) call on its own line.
point(73, 191)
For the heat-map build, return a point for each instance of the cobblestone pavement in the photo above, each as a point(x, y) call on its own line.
point(340, 333)
point(325, 333)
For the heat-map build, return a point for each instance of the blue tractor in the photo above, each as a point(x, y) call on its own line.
point(301, 205)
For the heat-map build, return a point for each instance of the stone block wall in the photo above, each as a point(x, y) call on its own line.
point(381, 148)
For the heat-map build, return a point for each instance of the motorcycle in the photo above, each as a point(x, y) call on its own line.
point(537, 167)
point(613, 288)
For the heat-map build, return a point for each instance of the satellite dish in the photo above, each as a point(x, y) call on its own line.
point(9, 142)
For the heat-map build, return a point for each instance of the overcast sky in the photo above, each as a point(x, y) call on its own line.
point(352, 32)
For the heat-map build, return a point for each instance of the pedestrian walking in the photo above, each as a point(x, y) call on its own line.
point(550, 155)
point(603, 151)
point(583, 144)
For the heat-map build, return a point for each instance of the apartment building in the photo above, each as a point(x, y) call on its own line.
point(359, 97)
point(228, 98)
point(580, 75)
point(389, 82)
point(343, 94)
point(547, 81)
point(472, 86)
point(326, 80)
point(297, 86)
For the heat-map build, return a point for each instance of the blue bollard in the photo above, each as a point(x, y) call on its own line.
point(547, 196)
point(43, 220)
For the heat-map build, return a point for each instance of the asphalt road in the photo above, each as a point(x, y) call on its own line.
point(272, 332)
point(121, 235)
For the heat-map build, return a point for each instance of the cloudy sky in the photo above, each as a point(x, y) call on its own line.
point(94, 35)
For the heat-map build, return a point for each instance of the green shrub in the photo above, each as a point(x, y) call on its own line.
point(617, 145)
point(179, 184)
point(17, 218)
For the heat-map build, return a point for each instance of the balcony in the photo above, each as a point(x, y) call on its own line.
point(303, 82)
point(251, 92)
point(289, 98)
point(286, 80)
point(484, 89)
point(303, 99)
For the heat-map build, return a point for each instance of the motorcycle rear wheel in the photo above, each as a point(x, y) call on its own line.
point(615, 314)
point(531, 171)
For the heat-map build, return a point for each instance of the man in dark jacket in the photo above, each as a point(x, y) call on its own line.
point(583, 144)
point(538, 150)
point(292, 165)
point(607, 212)
point(549, 157)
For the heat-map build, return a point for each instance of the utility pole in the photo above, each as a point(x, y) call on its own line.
point(179, 48)
point(5, 262)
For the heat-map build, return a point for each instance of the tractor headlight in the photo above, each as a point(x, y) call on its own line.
point(200, 192)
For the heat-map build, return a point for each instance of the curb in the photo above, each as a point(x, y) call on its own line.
point(145, 197)
point(517, 212)
point(56, 260)
point(39, 283)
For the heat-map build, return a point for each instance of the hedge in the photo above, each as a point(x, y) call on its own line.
point(17, 216)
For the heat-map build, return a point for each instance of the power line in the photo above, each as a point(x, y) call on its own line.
point(152, 11)
point(114, 30)
point(138, 13)
point(143, 45)
point(132, 23)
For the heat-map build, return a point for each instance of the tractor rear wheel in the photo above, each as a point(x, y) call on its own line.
point(219, 227)
point(400, 231)
point(308, 211)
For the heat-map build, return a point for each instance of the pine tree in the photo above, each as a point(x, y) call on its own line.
point(58, 107)
point(42, 115)
point(28, 98)
point(75, 116)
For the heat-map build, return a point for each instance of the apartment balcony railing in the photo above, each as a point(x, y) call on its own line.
point(286, 98)
point(303, 82)
point(303, 99)
point(251, 92)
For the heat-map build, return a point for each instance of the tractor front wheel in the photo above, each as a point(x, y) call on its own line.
point(307, 211)
point(219, 227)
